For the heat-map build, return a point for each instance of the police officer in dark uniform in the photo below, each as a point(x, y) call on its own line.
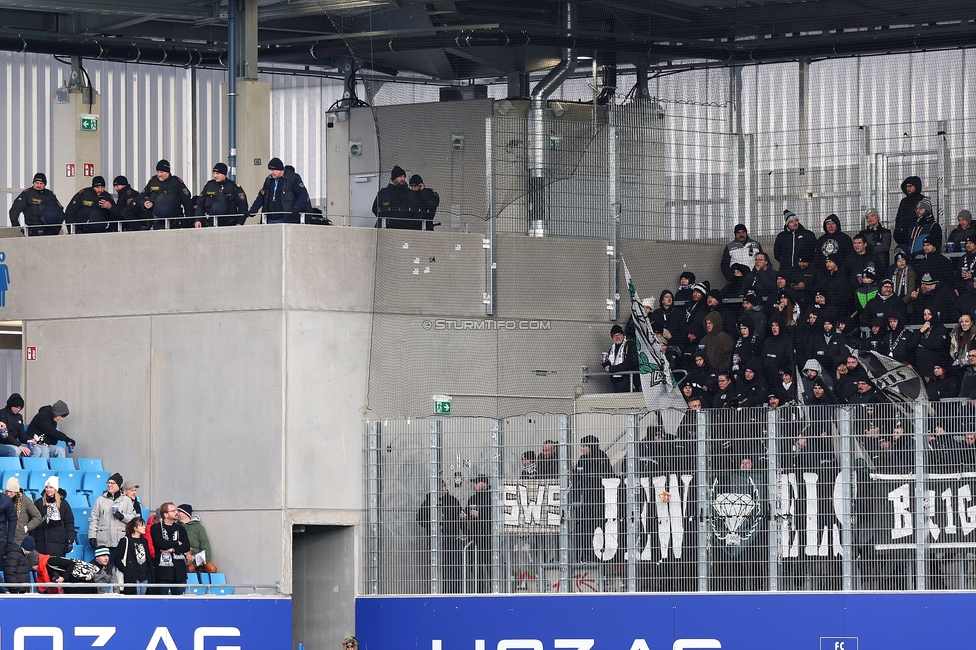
point(39, 206)
point(394, 201)
point(423, 201)
point(223, 198)
point(165, 197)
point(283, 196)
point(126, 206)
point(90, 208)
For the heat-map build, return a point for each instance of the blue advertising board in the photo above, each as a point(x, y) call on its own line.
point(32, 622)
point(856, 621)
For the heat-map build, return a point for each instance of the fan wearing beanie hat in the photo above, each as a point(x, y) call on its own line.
point(393, 203)
point(283, 198)
point(741, 250)
point(620, 358)
point(56, 533)
point(110, 513)
point(37, 208)
point(26, 515)
point(792, 242)
point(165, 197)
point(925, 227)
point(90, 208)
point(196, 534)
point(223, 198)
point(12, 426)
point(45, 434)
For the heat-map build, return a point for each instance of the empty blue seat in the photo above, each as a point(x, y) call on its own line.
point(9, 462)
point(37, 478)
point(89, 553)
point(77, 501)
point(70, 481)
point(219, 579)
point(94, 482)
point(90, 464)
point(145, 514)
point(30, 463)
point(81, 522)
point(193, 585)
point(63, 464)
point(76, 553)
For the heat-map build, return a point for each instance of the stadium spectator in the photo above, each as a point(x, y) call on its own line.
point(480, 519)
point(834, 243)
point(170, 541)
point(714, 303)
point(925, 227)
point(930, 344)
point(882, 303)
point(741, 250)
point(110, 513)
point(832, 346)
point(28, 518)
point(90, 208)
point(283, 196)
point(702, 376)
point(878, 238)
point(547, 463)
point(958, 236)
point(686, 281)
point(133, 559)
point(667, 314)
point(56, 533)
point(196, 536)
point(106, 570)
point(911, 187)
point(966, 266)
point(961, 341)
point(734, 288)
point(941, 384)
point(12, 427)
point(860, 257)
point(935, 295)
point(621, 358)
point(131, 490)
point(794, 242)
point(223, 198)
point(812, 370)
point(718, 344)
point(934, 263)
point(866, 288)
point(896, 343)
point(44, 433)
point(591, 468)
point(392, 203)
point(746, 347)
point(866, 393)
point(753, 390)
point(451, 516)
point(903, 277)
point(423, 202)
point(695, 309)
point(165, 197)
point(529, 468)
point(726, 394)
point(40, 208)
point(630, 331)
point(751, 306)
point(777, 351)
point(19, 561)
point(803, 279)
point(761, 280)
point(52, 568)
point(350, 643)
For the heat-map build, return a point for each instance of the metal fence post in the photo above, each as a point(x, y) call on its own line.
point(373, 486)
point(489, 241)
point(633, 511)
point(846, 494)
point(565, 434)
point(613, 277)
point(920, 500)
point(434, 488)
point(702, 494)
point(945, 171)
point(865, 164)
point(772, 430)
point(495, 475)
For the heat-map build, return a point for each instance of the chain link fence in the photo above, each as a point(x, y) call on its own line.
point(867, 497)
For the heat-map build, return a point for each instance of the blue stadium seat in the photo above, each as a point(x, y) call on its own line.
point(81, 523)
point(31, 463)
point(20, 474)
point(90, 464)
point(193, 585)
point(70, 481)
point(63, 464)
point(78, 501)
point(145, 514)
point(76, 553)
point(94, 482)
point(9, 462)
point(89, 552)
point(219, 579)
point(36, 479)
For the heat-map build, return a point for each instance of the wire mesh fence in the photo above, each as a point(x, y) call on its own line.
point(866, 497)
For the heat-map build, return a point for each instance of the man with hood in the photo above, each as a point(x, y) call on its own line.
point(777, 351)
point(12, 427)
point(44, 433)
point(451, 539)
point(40, 208)
point(685, 283)
point(591, 468)
point(753, 390)
point(718, 344)
point(925, 228)
point(813, 371)
point(956, 239)
point(934, 263)
point(803, 279)
point(867, 288)
point(667, 314)
point(878, 238)
point(741, 250)
point(762, 279)
point(911, 187)
point(883, 302)
point(834, 242)
point(794, 241)
point(895, 343)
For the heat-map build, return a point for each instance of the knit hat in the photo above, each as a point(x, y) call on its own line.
point(972, 238)
point(163, 166)
point(751, 298)
point(15, 401)
point(870, 272)
point(929, 240)
point(98, 181)
point(925, 204)
point(887, 281)
point(39, 176)
point(590, 440)
point(60, 408)
point(13, 485)
point(928, 279)
point(900, 255)
point(397, 172)
point(220, 168)
point(648, 302)
point(739, 227)
point(120, 180)
point(480, 478)
point(117, 478)
point(276, 164)
point(616, 329)
point(789, 215)
point(965, 215)
point(28, 544)
point(699, 287)
point(187, 509)
point(687, 275)
point(102, 550)
point(52, 481)
point(416, 180)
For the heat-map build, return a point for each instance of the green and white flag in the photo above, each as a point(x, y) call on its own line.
point(660, 390)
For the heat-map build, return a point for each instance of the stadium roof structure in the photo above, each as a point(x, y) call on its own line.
point(468, 39)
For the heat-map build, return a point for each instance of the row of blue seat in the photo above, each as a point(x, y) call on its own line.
point(71, 481)
point(57, 464)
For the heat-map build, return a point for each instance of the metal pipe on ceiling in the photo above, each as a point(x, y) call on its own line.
point(106, 50)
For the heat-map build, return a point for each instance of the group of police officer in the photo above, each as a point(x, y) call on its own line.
point(165, 199)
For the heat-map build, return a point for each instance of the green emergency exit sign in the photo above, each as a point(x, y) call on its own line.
point(89, 122)
point(442, 404)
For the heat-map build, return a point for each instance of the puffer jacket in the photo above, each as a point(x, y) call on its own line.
point(56, 533)
point(105, 528)
point(17, 567)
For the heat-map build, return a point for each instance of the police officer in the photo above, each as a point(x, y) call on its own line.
point(394, 201)
point(423, 201)
point(39, 206)
point(222, 198)
point(126, 205)
point(90, 208)
point(165, 197)
point(283, 196)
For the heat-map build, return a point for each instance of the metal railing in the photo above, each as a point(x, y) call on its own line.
point(113, 588)
point(839, 498)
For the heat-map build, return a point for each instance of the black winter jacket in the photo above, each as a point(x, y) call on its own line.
point(905, 219)
point(55, 535)
point(45, 429)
